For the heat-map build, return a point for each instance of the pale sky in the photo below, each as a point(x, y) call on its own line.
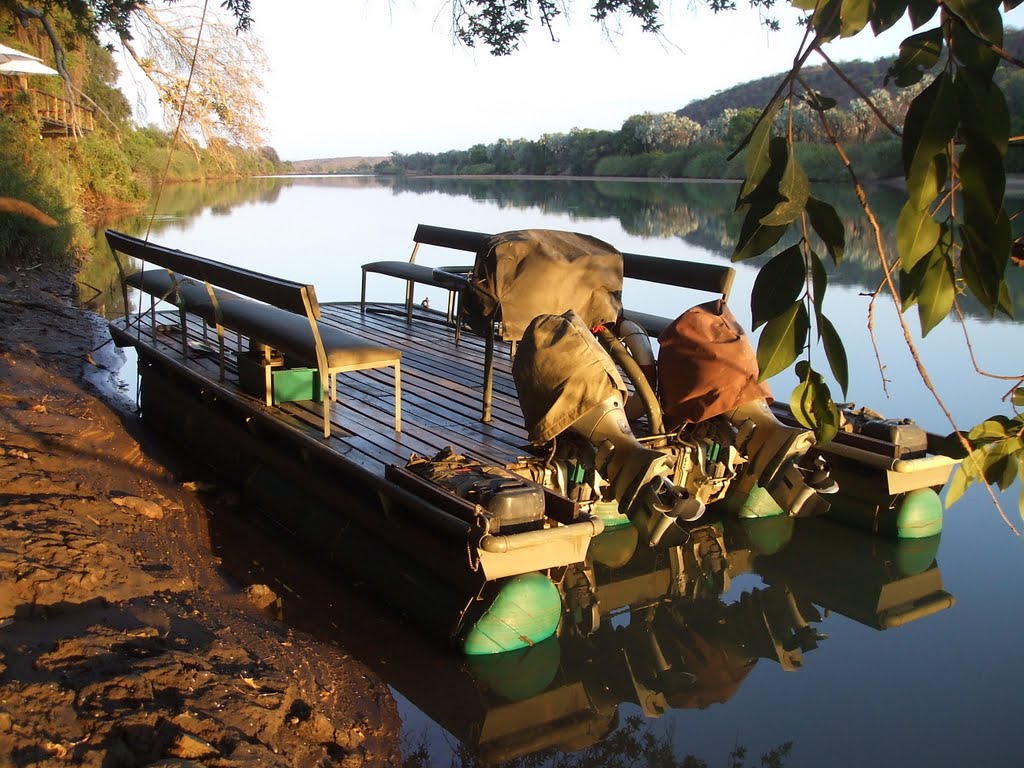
point(369, 78)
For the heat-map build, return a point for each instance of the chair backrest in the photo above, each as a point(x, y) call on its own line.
point(458, 239)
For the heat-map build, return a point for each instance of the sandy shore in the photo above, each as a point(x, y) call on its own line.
point(121, 642)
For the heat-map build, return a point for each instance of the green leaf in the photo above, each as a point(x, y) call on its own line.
point(935, 298)
point(921, 11)
point(854, 16)
point(982, 183)
point(1018, 397)
point(1002, 462)
point(959, 483)
point(916, 235)
point(818, 101)
point(794, 189)
point(918, 54)
point(812, 405)
point(826, 19)
point(835, 351)
point(828, 226)
point(778, 284)
point(755, 237)
point(988, 430)
point(757, 159)
point(974, 52)
point(887, 13)
point(819, 284)
point(983, 259)
point(984, 111)
point(782, 340)
point(929, 127)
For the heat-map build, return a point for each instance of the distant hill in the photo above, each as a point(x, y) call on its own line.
point(336, 164)
point(868, 75)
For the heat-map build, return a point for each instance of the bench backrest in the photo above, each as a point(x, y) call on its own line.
point(286, 294)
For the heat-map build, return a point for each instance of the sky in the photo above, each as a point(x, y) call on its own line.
point(369, 78)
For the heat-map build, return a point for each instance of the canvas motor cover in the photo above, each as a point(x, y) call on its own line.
point(561, 372)
point(524, 273)
point(706, 365)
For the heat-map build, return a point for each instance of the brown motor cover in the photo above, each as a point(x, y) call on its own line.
point(561, 373)
point(521, 274)
point(706, 365)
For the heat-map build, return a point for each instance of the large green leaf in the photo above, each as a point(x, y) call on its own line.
point(983, 109)
point(982, 183)
point(778, 284)
point(918, 54)
point(757, 159)
point(984, 25)
point(782, 340)
point(983, 260)
point(921, 11)
point(1018, 397)
point(835, 351)
point(755, 237)
point(794, 189)
point(887, 13)
point(916, 235)
point(981, 17)
point(1002, 461)
point(988, 431)
point(935, 298)
point(930, 125)
point(812, 405)
point(819, 284)
point(827, 18)
point(828, 226)
point(854, 16)
point(910, 283)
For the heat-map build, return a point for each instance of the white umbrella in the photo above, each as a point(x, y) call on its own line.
point(13, 54)
point(26, 67)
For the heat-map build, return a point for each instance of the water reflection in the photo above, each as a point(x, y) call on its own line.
point(699, 213)
point(97, 283)
point(645, 633)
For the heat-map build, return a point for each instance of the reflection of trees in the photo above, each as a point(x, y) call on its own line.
point(98, 284)
point(700, 213)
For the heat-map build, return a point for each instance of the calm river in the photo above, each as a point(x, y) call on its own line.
point(787, 658)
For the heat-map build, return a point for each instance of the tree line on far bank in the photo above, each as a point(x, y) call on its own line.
point(698, 140)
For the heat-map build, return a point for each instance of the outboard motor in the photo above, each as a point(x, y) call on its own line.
point(638, 477)
point(567, 382)
point(773, 452)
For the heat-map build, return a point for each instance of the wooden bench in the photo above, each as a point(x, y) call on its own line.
point(453, 279)
point(276, 314)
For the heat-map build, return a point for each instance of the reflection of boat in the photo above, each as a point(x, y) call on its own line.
point(465, 523)
point(664, 630)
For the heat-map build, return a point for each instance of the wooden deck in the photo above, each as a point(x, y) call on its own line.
point(442, 385)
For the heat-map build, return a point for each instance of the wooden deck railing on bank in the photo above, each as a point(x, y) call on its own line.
point(57, 115)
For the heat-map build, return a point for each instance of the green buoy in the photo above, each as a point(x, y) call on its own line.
point(915, 515)
point(524, 612)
